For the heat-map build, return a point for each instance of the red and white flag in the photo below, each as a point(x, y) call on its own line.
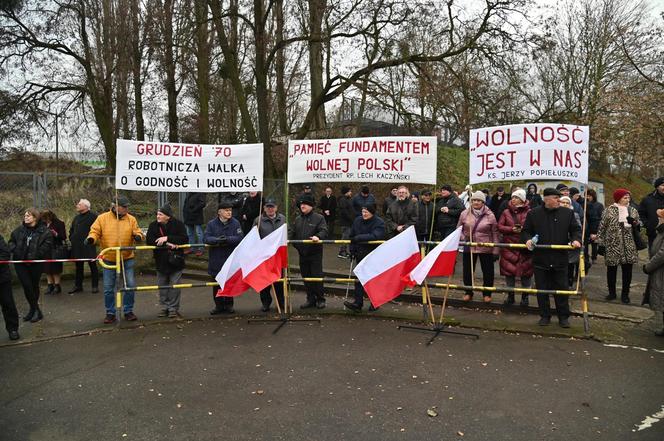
point(439, 262)
point(382, 271)
point(230, 279)
point(263, 266)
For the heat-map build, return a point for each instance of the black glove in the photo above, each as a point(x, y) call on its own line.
point(630, 220)
point(138, 238)
point(221, 240)
point(89, 241)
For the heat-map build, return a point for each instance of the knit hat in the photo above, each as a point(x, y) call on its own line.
point(308, 200)
point(167, 210)
point(371, 208)
point(573, 191)
point(345, 189)
point(426, 193)
point(364, 189)
point(446, 187)
point(551, 192)
point(521, 194)
point(659, 181)
point(619, 193)
point(122, 201)
point(561, 186)
point(566, 199)
point(478, 195)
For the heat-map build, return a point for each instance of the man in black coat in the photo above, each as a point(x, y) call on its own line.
point(346, 218)
point(310, 226)
point(553, 225)
point(389, 199)
point(425, 213)
point(78, 232)
point(448, 210)
point(7, 303)
point(648, 209)
point(328, 208)
point(167, 232)
point(192, 216)
point(269, 222)
point(367, 227)
point(496, 201)
point(401, 214)
point(251, 208)
point(307, 192)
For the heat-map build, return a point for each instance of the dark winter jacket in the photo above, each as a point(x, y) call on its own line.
point(424, 215)
point(5, 254)
point(554, 227)
point(306, 226)
point(59, 232)
point(387, 202)
point(346, 212)
point(496, 203)
point(359, 201)
point(31, 243)
point(451, 218)
point(594, 212)
point(648, 212)
point(400, 213)
point(78, 232)
point(328, 204)
point(251, 208)
point(177, 235)
point(215, 232)
point(513, 261)
point(268, 225)
point(365, 231)
point(192, 210)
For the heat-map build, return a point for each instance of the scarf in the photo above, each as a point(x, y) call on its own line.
point(623, 212)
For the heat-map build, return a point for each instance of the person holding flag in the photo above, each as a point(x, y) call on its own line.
point(224, 233)
point(366, 228)
point(269, 222)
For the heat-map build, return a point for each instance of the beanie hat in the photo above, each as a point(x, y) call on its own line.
point(573, 191)
point(122, 201)
point(659, 181)
point(446, 187)
point(224, 203)
point(478, 195)
point(521, 194)
point(566, 199)
point(371, 208)
point(308, 200)
point(364, 189)
point(167, 210)
point(561, 187)
point(619, 193)
point(345, 189)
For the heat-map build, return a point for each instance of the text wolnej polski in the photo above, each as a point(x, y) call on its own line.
point(177, 167)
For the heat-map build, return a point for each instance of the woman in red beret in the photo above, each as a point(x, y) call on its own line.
point(616, 235)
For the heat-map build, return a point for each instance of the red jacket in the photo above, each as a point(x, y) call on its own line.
point(514, 262)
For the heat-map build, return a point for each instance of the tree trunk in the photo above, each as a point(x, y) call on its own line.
point(136, 70)
point(280, 69)
point(169, 69)
point(202, 71)
point(316, 13)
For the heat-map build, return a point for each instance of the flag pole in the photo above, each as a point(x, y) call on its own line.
point(442, 308)
point(274, 298)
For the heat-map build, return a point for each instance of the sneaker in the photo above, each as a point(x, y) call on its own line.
point(216, 311)
point(110, 318)
point(564, 322)
point(372, 308)
point(163, 313)
point(173, 314)
point(544, 321)
point(130, 317)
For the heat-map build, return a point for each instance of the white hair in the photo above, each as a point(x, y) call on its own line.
point(85, 202)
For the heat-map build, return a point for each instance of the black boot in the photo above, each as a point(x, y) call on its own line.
point(57, 289)
point(50, 289)
point(524, 300)
point(29, 315)
point(37, 316)
point(510, 299)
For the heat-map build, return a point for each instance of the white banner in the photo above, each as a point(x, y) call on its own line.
point(525, 152)
point(401, 159)
point(180, 167)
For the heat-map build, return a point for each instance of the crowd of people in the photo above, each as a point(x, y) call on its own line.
point(554, 217)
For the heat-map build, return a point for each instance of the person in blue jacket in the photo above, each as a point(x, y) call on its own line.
point(224, 233)
point(365, 228)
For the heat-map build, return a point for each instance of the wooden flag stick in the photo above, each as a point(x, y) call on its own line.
point(447, 291)
point(428, 293)
point(274, 298)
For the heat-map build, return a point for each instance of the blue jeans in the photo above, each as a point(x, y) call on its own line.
point(109, 288)
point(198, 229)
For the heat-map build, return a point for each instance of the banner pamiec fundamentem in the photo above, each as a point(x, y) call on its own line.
point(400, 159)
point(525, 152)
point(182, 167)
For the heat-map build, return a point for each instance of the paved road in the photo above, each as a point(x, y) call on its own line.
point(345, 379)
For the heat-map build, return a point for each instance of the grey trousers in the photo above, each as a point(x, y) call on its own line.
point(169, 298)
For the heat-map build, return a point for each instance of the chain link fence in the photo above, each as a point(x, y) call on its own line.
point(60, 193)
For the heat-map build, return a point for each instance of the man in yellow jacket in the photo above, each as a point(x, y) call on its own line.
point(115, 228)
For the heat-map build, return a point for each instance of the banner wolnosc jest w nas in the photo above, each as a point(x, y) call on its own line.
point(180, 167)
point(401, 159)
point(527, 152)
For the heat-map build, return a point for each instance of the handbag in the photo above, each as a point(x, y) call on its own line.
point(175, 258)
point(601, 250)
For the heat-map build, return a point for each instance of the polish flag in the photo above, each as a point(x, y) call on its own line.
point(231, 282)
point(263, 266)
point(382, 271)
point(439, 262)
